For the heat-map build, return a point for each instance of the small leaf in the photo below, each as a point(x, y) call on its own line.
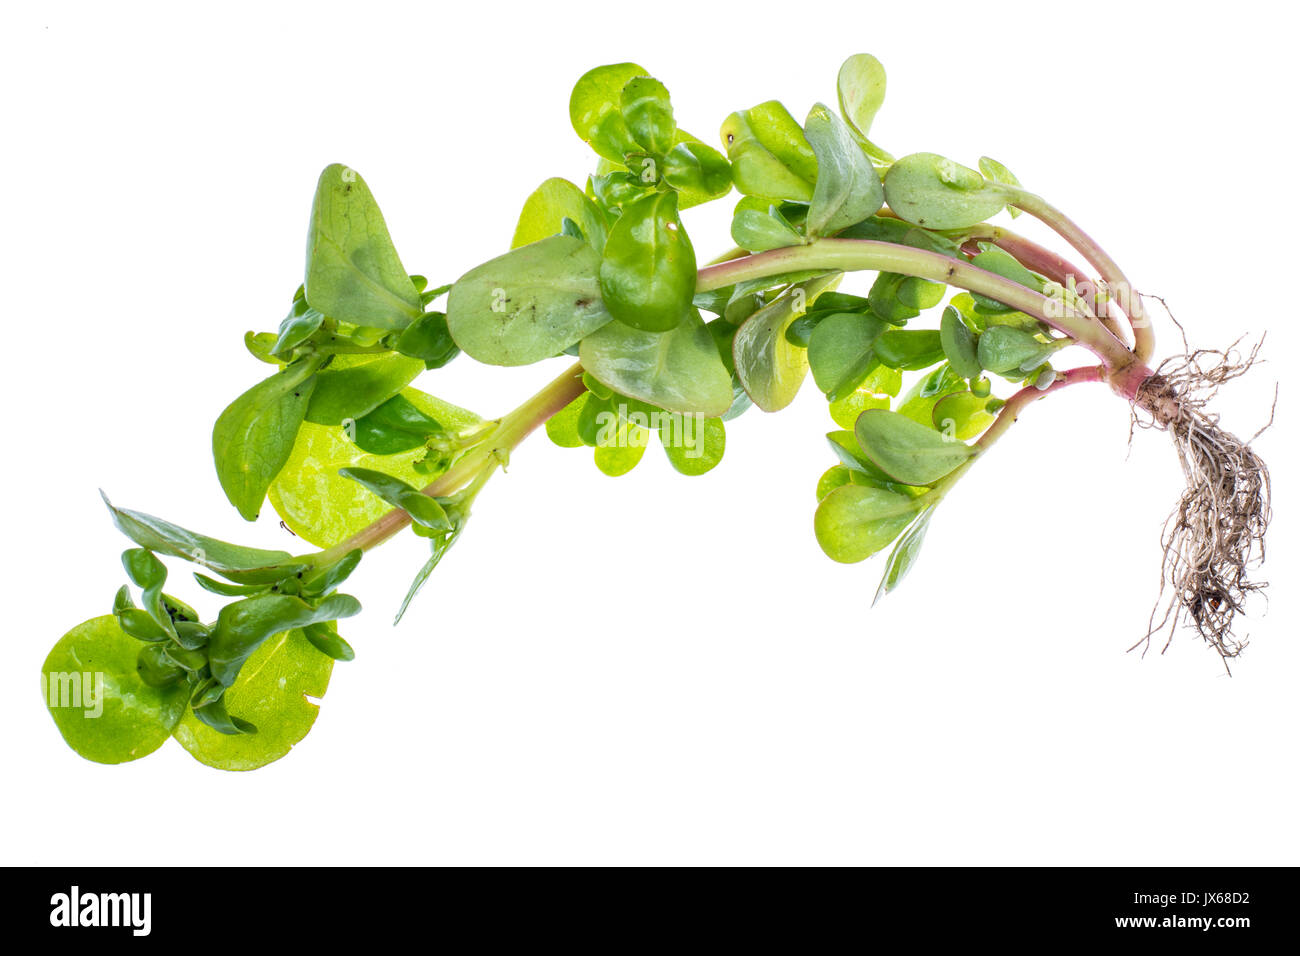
point(245, 565)
point(324, 508)
point(562, 427)
point(424, 510)
point(861, 89)
point(648, 113)
point(428, 339)
point(770, 155)
point(594, 109)
point(841, 350)
point(698, 171)
point(937, 193)
point(907, 451)
point(758, 226)
point(845, 411)
point(961, 415)
point(620, 446)
point(910, 349)
point(549, 205)
point(103, 708)
point(530, 304)
point(276, 692)
point(1003, 350)
point(1000, 262)
point(998, 173)
point(324, 636)
point(243, 626)
point(694, 445)
point(679, 371)
point(353, 272)
point(959, 344)
point(331, 576)
point(847, 188)
point(904, 555)
point(395, 426)
point(647, 274)
point(253, 437)
point(769, 367)
point(348, 392)
point(298, 326)
point(853, 522)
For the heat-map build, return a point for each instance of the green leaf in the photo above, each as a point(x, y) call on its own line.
point(758, 226)
point(841, 351)
point(861, 89)
point(995, 171)
point(931, 191)
point(562, 427)
point(232, 561)
point(698, 171)
point(594, 109)
point(847, 188)
point(395, 426)
point(243, 626)
point(962, 415)
point(648, 113)
point(620, 446)
point(253, 437)
point(324, 636)
point(910, 349)
point(769, 367)
point(647, 275)
point(331, 576)
point(428, 339)
point(905, 553)
point(298, 326)
point(694, 445)
point(349, 393)
point(845, 411)
point(918, 404)
point(853, 522)
point(103, 708)
point(1003, 349)
point(888, 229)
point(906, 450)
point(440, 544)
point(324, 508)
point(549, 205)
point(1000, 262)
point(770, 155)
point(678, 370)
point(959, 344)
point(424, 510)
point(353, 273)
point(275, 691)
point(529, 304)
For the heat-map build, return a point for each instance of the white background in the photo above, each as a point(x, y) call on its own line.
point(651, 669)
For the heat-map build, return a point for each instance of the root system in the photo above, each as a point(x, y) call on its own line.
point(1214, 538)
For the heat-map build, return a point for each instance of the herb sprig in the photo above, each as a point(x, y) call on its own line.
point(350, 454)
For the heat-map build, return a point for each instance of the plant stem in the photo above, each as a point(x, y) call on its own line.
point(485, 456)
point(1010, 413)
point(852, 255)
point(1110, 272)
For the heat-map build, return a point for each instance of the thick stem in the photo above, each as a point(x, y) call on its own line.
point(1107, 268)
point(852, 255)
point(507, 435)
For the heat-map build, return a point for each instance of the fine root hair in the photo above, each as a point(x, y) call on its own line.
point(1214, 538)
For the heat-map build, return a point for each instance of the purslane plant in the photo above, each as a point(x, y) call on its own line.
point(349, 453)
